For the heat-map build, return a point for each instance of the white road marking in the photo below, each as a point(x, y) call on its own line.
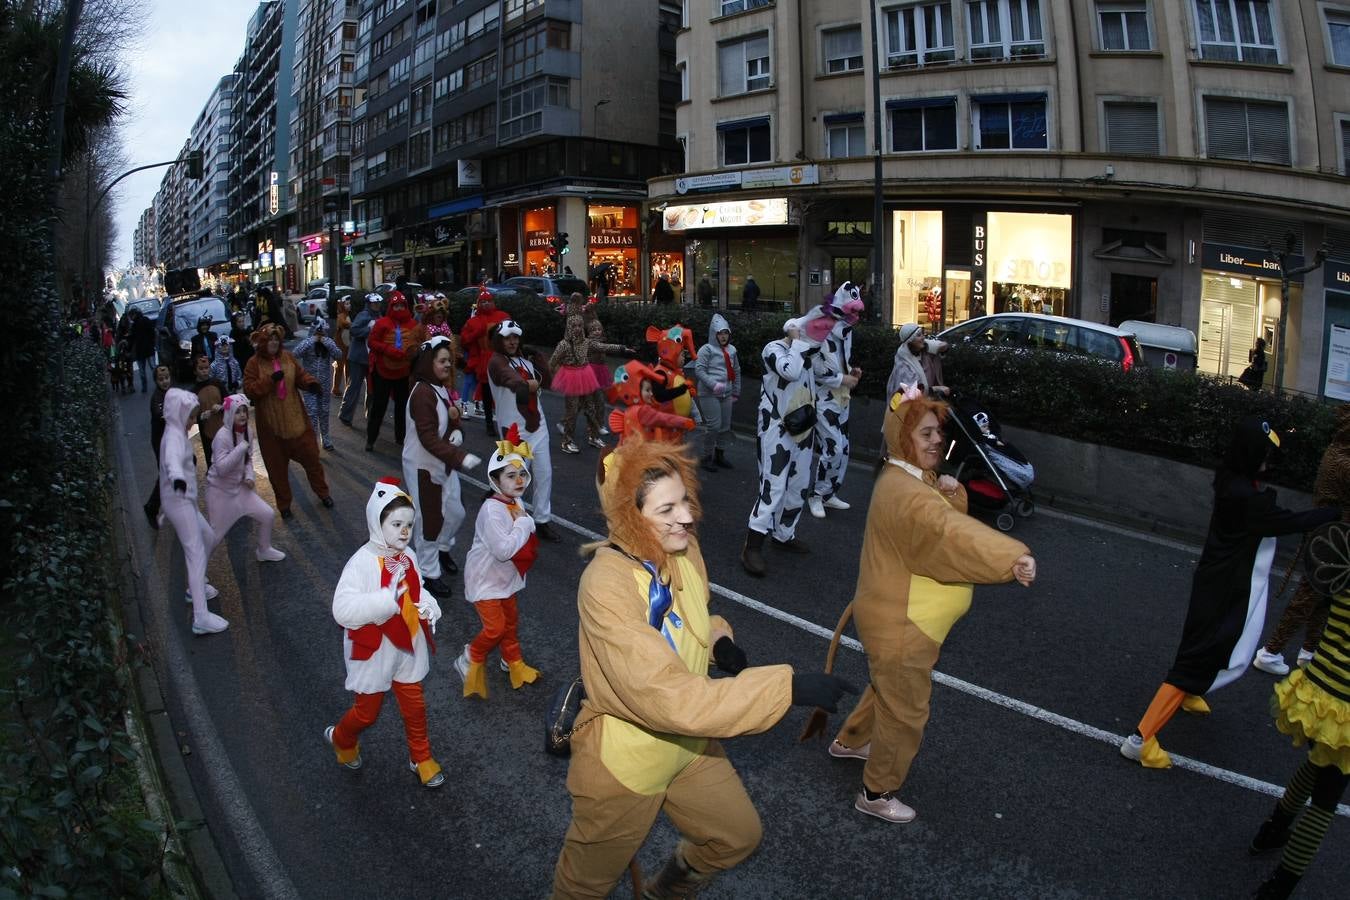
point(1009, 703)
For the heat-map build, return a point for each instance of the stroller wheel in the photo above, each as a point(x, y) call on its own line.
point(1025, 508)
point(1004, 521)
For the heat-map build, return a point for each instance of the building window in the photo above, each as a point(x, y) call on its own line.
point(516, 8)
point(1123, 25)
point(743, 65)
point(1345, 146)
point(1247, 130)
point(923, 125)
point(522, 105)
point(845, 136)
point(843, 49)
point(744, 142)
point(523, 52)
point(481, 71)
point(683, 68)
point(729, 7)
point(1005, 29)
point(1011, 123)
point(1132, 127)
point(919, 35)
point(421, 105)
point(1338, 35)
point(1237, 30)
point(419, 150)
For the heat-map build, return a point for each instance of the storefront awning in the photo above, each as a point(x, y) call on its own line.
point(464, 204)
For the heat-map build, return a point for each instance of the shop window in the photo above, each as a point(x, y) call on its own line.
point(1132, 127)
point(925, 125)
point(706, 269)
point(916, 264)
point(919, 34)
point(1123, 25)
point(845, 138)
point(1030, 264)
point(1338, 35)
point(1011, 123)
point(1247, 130)
point(744, 142)
point(1004, 29)
point(612, 251)
point(743, 65)
point(772, 262)
point(1345, 146)
point(1237, 30)
point(843, 49)
point(729, 7)
point(1133, 297)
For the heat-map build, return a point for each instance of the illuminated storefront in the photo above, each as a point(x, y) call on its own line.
point(540, 223)
point(612, 248)
point(311, 251)
point(949, 265)
point(1239, 302)
point(730, 244)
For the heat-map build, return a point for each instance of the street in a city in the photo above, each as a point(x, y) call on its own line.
point(1019, 787)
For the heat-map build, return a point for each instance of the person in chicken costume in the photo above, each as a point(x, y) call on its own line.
point(388, 618)
point(432, 458)
point(646, 738)
point(475, 341)
point(637, 414)
point(272, 381)
point(230, 494)
point(394, 340)
point(835, 377)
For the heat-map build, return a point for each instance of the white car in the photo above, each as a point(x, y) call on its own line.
point(316, 301)
point(1033, 331)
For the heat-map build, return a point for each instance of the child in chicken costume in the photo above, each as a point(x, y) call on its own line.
point(230, 493)
point(504, 548)
point(389, 618)
point(637, 414)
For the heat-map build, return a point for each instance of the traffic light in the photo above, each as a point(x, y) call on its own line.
point(195, 165)
point(559, 243)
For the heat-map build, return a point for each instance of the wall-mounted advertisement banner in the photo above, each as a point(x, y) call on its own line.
point(780, 176)
point(686, 183)
point(729, 214)
point(1337, 384)
point(470, 173)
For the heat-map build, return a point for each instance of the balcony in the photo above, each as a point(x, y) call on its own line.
point(334, 184)
point(335, 115)
point(335, 81)
point(344, 13)
point(334, 146)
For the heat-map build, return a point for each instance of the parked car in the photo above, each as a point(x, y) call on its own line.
point(1033, 331)
point(318, 300)
point(176, 345)
point(470, 292)
point(553, 288)
point(149, 307)
point(413, 290)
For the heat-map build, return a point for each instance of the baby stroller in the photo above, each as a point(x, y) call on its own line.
point(997, 477)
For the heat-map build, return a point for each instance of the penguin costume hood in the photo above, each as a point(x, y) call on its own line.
point(502, 330)
point(1253, 441)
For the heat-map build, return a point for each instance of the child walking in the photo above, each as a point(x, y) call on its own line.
point(163, 381)
point(504, 548)
point(316, 353)
point(718, 370)
point(389, 620)
point(575, 379)
point(230, 494)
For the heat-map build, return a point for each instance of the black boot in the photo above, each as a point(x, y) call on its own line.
point(448, 564)
point(752, 554)
point(1278, 886)
point(707, 464)
point(720, 458)
point(1273, 833)
point(441, 590)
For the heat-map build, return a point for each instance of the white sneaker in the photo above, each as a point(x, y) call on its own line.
point(835, 503)
point(885, 807)
point(462, 663)
point(210, 623)
point(505, 666)
point(1271, 663)
point(814, 504)
point(1305, 657)
point(211, 594)
point(271, 554)
point(840, 751)
point(603, 431)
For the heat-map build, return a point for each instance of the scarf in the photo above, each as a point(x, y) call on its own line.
point(731, 372)
point(660, 614)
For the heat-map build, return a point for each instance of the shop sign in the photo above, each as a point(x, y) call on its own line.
point(470, 173)
point(613, 237)
point(1337, 385)
point(1336, 275)
point(274, 195)
point(512, 259)
point(781, 176)
point(279, 258)
point(979, 276)
point(1259, 263)
point(715, 181)
point(264, 260)
point(729, 214)
point(538, 240)
point(312, 245)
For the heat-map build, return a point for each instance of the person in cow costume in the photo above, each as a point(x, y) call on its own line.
point(637, 414)
point(835, 377)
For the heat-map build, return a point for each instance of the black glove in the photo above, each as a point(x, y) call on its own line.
point(180, 486)
point(819, 689)
point(278, 375)
point(729, 658)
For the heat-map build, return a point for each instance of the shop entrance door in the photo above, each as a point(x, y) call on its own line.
point(1227, 324)
point(1214, 318)
point(956, 305)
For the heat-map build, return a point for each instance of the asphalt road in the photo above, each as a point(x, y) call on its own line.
point(1010, 804)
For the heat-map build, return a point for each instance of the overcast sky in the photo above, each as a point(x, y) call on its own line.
point(186, 50)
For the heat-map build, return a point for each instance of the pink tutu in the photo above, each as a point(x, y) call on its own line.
point(603, 376)
point(575, 381)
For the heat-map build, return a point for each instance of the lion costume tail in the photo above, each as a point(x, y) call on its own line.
point(819, 718)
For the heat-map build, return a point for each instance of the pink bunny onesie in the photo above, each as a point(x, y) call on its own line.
point(229, 482)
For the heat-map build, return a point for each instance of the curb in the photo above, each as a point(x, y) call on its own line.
point(168, 786)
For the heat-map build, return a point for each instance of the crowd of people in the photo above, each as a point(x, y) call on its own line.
point(645, 739)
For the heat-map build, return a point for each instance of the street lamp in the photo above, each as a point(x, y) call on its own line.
point(595, 111)
point(878, 212)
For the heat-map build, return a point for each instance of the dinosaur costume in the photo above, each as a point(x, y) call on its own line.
point(646, 739)
point(635, 417)
point(921, 556)
point(673, 345)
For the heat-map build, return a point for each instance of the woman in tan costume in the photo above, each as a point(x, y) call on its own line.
point(921, 557)
point(646, 739)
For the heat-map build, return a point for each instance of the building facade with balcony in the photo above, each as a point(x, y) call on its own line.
point(144, 239)
point(260, 184)
point(320, 137)
point(208, 198)
point(485, 128)
point(1105, 159)
point(173, 219)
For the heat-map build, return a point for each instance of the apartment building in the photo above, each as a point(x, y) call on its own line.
point(483, 129)
point(173, 216)
point(208, 198)
point(320, 137)
point(144, 239)
point(260, 183)
point(1107, 159)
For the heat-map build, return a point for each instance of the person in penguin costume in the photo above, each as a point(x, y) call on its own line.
point(1229, 590)
point(230, 493)
point(388, 618)
point(432, 458)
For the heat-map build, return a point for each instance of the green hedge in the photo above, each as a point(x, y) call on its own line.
point(1187, 417)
